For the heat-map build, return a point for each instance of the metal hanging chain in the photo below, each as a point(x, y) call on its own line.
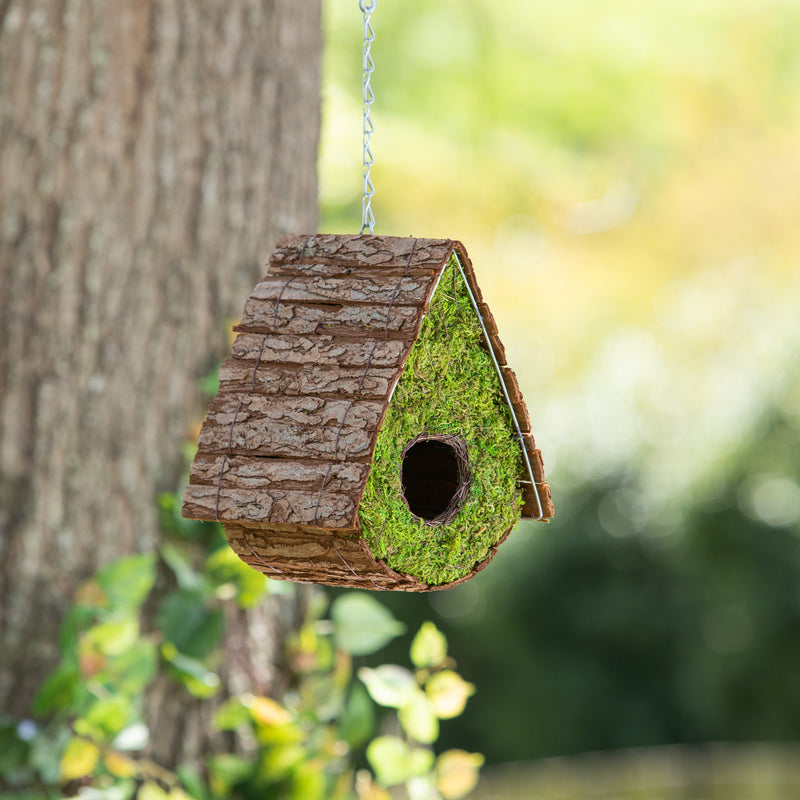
point(367, 217)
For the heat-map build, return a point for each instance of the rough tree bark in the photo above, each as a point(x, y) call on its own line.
point(151, 153)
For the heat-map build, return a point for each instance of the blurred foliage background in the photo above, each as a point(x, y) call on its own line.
point(626, 178)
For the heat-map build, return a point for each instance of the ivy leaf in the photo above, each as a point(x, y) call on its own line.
point(184, 572)
point(13, 749)
point(389, 685)
point(457, 773)
point(265, 711)
point(79, 758)
point(394, 762)
point(279, 760)
point(420, 762)
point(231, 714)
point(224, 567)
point(448, 693)
point(119, 766)
point(105, 718)
point(308, 782)
point(114, 637)
point(358, 721)
point(59, 690)
point(418, 718)
point(127, 581)
point(199, 680)
point(388, 757)
point(192, 781)
point(429, 647)
point(361, 625)
point(132, 671)
point(188, 623)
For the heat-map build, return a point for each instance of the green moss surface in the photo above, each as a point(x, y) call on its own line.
point(449, 386)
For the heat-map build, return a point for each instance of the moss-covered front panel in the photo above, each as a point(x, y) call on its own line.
point(449, 387)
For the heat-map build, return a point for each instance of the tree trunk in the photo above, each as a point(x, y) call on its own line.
point(151, 152)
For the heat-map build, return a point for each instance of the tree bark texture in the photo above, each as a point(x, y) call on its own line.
point(151, 153)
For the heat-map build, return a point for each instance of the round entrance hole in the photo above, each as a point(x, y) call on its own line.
point(435, 477)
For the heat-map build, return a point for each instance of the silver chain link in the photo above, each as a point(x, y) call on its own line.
point(367, 217)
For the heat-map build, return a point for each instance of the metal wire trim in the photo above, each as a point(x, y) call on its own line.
point(503, 386)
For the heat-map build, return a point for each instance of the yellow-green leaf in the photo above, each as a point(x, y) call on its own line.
point(114, 637)
point(457, 773)
point(152, 791)
point(429, 648)
point(388, 684)
point(79, 758)
point(362, 625)
point(266, 711)
point(448, 693)
point(119, 766)
point(388, 757)
point(418, 718)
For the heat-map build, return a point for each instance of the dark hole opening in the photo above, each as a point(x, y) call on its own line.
point(430, 478)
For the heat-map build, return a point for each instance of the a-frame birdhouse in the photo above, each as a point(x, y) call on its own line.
point(367, 431)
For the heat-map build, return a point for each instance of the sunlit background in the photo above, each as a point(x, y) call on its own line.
point(626, 179)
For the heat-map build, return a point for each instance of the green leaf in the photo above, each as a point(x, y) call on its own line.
point(106, 718)
point(192, 781)
point(185, 574)
point(388, 756)
point(13, 750)
point(127, 582)
point(308, 783)
point(115, 636)
point(187, 622)
point(227, 770)
point(418, 718)
point(279, 760)
point(448, 693)
point(394, 762)
point(389, 685)
point(231, 715)
point(77, 620)
point(59, 691)
point(194, 675)
point(362, 625)
point(79, 758)
point(358, 721)
point(429, 648)
point(420, 762)
point(223, 566)
point(132, 671)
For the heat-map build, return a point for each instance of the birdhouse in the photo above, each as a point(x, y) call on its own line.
point(367, 431)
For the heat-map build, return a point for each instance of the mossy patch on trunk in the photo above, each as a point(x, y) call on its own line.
point(448, 388)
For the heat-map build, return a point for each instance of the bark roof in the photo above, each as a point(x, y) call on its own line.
point(288, 440)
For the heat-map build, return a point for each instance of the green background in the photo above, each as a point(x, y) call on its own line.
point(625, 177)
